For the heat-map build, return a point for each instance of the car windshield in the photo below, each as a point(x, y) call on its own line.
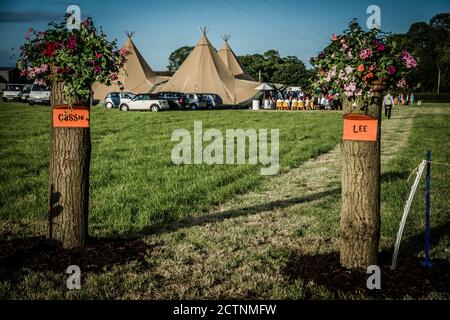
point(13, 87)
point(37, 87)
point(128, 95)
point(142, 97)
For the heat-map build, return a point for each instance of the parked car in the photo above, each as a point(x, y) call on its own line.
point(39, 94)
point(213, 100)
point(13, 92)
point(145, 102)
point(26, 92)
point(176, 100)
point(116, 99)
point(196, 101)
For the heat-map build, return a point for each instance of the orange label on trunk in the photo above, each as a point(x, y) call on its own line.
point(360, 127)
point(75, 117)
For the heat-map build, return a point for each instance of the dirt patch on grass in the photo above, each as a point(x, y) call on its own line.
point(408, 279)
point(38, 254)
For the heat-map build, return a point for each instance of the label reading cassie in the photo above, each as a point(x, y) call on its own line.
point(360, 127)
point(76, 117)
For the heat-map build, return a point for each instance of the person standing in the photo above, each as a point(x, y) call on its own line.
point(412, 99)
point(388, 101)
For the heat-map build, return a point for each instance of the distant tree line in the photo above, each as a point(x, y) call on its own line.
point(430, 44)
point(288, 70)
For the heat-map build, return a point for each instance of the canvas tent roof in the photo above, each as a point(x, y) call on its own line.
point(203, 71)
point(232, 62)
point(136, 76)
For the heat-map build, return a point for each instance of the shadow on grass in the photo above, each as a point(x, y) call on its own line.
point(169, 226)
point(100, 254)
point(40, 255)
point(409, 279)
point(415, 244)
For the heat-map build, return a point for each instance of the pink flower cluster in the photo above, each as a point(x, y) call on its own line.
point(123, 52)
point(365, 54)
point(349, 69)
point(331, 74)
point(34, 72)
point(409, 60)
point(401, 83)
point(350, 89)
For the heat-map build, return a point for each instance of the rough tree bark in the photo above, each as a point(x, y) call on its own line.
point(361, 188)
point(68, 198)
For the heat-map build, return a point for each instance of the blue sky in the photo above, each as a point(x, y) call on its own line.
point(293, 27)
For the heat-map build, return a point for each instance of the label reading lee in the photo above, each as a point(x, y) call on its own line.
point(360, 127)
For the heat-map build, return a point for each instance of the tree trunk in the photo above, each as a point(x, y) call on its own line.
point(69, 179)
point(361, 187)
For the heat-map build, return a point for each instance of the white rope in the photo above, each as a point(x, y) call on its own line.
point(405, 213)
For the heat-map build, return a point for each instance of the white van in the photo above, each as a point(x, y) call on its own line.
point(13, 92)
point(39, 94)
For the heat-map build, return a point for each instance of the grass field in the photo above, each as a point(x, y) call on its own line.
point(204, 231)
point(133, 180)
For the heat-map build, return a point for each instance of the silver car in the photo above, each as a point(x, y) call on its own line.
point(116, 99)
point(39, 94)
point(13, 92)
point(143, 102)
point(195, 101)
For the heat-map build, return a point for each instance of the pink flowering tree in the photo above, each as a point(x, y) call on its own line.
point(355, 60)
point(75, 58)
point(70, 61)
point(359, 66)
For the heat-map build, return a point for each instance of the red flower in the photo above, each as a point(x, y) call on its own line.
point(361, 68)
point(98, 55)
point(50, 49)
point(391, 70)
point(71, 43)
point(334, 37)
point(381, 47)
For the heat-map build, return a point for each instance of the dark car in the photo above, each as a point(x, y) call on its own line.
point(213, 100)
point(176, 100)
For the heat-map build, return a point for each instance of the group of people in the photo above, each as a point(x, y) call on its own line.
point(389, 101)
point(402, 99)
point(299, 100)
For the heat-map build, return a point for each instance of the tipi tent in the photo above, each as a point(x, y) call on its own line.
point(203, 71)
point(232, 62)
point(136, 76)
